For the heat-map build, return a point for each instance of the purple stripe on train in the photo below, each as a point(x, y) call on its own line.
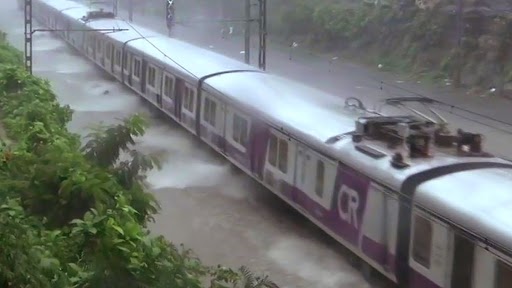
point(345, 215)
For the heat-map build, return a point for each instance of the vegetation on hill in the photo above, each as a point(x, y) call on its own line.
point(75, 215)
point(403, 36)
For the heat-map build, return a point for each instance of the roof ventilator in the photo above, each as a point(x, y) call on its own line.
point(412, 136)
point(98, 14)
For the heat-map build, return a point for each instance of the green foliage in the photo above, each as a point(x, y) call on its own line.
point(75, 216)
point(8, 54)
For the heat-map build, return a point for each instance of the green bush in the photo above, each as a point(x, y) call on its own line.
point(74, 216)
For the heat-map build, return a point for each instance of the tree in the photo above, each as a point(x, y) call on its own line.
point(75, 216)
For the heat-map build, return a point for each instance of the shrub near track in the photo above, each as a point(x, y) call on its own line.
point(75, 216)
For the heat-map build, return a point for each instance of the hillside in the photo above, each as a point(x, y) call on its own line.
point(414, 37)
point(423, 39)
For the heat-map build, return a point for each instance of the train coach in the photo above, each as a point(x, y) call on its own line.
point(422, 207)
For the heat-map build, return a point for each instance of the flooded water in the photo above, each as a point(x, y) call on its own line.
point(207, 204)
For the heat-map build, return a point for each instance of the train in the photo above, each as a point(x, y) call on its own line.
point(424, 207)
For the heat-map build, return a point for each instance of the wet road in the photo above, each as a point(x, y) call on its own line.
point(212, 208)
point(346, 79)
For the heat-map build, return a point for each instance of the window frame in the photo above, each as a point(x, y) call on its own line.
point(118, 56)
point(136, 73)
point(99, 46)
point(108, 51)
point(278, 159)
point(172, 80)
point(151, 77)
point(422, 239)
point(209, 115)
point(237, 130)
point(125, 65)
point(189, 98)
point(502, 266)
point(320, 179)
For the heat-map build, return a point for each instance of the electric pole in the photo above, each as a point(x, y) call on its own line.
point(28, 35)
point(262, 55)
point(457, 81)
point(115, 3)
point(247, 33)
point(29, 32)
point(130, 10)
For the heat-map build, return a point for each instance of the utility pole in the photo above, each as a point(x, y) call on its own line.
point(29, 32)
point(130, 10)
point(262, 55)
point(28, 35)
point(460, 31)
point(115, 4)
point(247, 33)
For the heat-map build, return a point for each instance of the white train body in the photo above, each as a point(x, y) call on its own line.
point(443, 221)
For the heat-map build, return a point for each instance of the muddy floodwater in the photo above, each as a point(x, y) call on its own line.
point(206, 204)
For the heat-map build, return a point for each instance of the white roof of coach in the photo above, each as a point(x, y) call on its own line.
point(198, 61)
point(121, 36)
point(478, 200)
point(298, 108)
point(76, 12)
point(64, 4)
point(314, 117)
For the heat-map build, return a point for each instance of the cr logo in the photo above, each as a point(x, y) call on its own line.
point(348, 203)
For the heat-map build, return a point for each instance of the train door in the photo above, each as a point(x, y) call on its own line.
point(143, 77)
point(463, 259)
point(301, 170)
point(430, 253)
point(108, 56)
point(280, 163)
point(178, 96)
point(98, 56)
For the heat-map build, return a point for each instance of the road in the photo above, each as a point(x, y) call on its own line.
point(221, 214)
point(487, 114)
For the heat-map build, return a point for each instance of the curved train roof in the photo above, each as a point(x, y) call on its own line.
point(299, 109)
point(476, 199)
point(190, 60)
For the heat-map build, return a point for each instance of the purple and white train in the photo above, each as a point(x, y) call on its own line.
point(422, 207)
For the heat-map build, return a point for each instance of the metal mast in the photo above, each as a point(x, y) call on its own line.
point(262, 55)
point(28, 35)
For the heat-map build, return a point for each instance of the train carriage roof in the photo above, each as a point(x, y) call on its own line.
point(132, 31)
point(478, 200)
point(296, 107)
point(197, 61)
point(63, 4)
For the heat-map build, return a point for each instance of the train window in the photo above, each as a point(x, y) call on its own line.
point(152, 77)
point(422, 241)
point(109, 51)
point(503, 275)
point(272, 150)
point(240, 130)
point(126, 61)
point(283, 156)
point(136, 68)
point(278, 153)
point(91, 42)
point(168, 86)
point(117, 59)
point(188, 99)
point(98, 46)
point(320, 171)
point(209, 110)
